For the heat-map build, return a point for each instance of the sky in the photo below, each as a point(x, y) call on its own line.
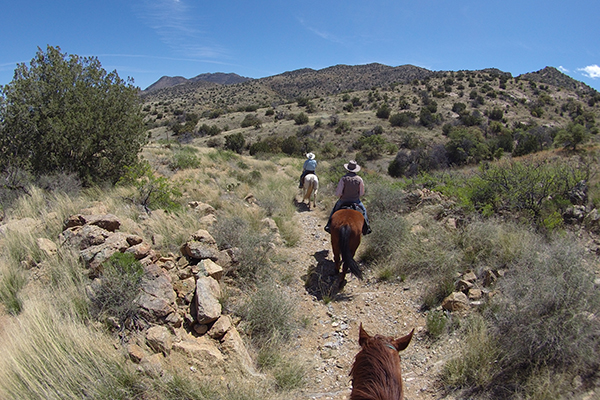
point(148, 39)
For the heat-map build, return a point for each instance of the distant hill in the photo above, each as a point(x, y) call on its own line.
point(218, 77)
point(552, 76)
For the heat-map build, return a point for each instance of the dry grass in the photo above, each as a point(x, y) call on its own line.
point(51, 356)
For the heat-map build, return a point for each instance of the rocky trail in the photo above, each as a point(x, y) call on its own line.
point(330, 342)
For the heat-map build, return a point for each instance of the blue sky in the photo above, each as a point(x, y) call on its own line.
point(147, 39)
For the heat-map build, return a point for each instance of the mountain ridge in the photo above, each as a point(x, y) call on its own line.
point(220, 78)
point(308, 82)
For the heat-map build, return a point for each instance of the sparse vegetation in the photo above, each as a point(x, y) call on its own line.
point(535, 332)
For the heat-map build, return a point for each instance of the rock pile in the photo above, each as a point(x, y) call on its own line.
point(179, 299)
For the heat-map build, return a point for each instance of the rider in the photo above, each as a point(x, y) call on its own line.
point(309, 167)
point(349, 190)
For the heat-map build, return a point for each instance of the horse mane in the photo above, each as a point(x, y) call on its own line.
point(376, 373)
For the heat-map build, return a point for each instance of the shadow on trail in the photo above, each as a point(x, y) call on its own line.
point(301, 206)
point(321, 279)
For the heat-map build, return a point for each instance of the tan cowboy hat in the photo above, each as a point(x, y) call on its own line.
point(310, 156)
point(352, 166)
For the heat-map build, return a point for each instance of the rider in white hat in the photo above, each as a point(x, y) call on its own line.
point(309, 167)
point(350, 188)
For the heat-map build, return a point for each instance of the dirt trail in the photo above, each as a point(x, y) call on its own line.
point(330, 342)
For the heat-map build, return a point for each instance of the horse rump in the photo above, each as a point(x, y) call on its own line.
point(349, 264)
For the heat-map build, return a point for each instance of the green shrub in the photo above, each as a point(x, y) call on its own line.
point(436, 323)
point(251, 120)
point(185, 158)
point(301, 119)
point(533, 189)
point(67, 114)
point(152, 192)
point(114, 295)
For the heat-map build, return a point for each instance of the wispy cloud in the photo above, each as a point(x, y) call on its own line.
point(563, 69)
point(591, 71)
point(177, 27)
point(321, 33)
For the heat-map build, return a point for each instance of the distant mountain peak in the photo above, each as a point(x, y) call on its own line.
point(220, 78)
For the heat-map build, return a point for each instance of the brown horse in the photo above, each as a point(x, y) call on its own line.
point(346, 231)
point(376, 373)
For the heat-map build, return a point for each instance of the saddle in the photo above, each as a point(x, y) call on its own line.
point(350, 206)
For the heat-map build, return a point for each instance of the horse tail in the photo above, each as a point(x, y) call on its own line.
point(347, 257)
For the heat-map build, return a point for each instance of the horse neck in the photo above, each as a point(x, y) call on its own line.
point(376, 374)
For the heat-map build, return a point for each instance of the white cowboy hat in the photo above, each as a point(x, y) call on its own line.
point(310, 156)
point(352, 166)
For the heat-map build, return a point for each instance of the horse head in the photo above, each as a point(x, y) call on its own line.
point(376, 372)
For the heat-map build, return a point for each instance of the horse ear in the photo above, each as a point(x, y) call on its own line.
point(402, 343)
point(363, 336)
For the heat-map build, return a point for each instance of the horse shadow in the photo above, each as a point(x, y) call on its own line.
point(321, 280)
point(301, 206)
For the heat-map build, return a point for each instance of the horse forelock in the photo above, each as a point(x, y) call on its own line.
point(376, 372)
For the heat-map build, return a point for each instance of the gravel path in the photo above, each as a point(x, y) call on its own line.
point(330, 342)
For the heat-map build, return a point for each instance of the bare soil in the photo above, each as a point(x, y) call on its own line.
point(330, 341)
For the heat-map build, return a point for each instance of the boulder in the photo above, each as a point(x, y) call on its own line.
point(233, 346)
point(159, 339)
point(208, 308)
point(23, 225)
point(220, 327)
point(82, 237)
point(200, 245)
point(456, 301)
point(185, 290)
point(208, 267)
point(136, 353)
point(200, 349)
point(47, 246)
point(157, 299)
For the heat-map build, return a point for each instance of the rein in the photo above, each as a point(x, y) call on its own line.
point(392, 347)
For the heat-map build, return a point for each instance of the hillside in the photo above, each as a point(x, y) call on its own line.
point(408, 107)
point(203, 275)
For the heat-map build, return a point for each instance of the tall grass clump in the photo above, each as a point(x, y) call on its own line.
point(19, 252)
point(544, 319)
point(269, 316)
point(275, 194)
point(47, 355)
point(171, 229)
point(476, 364)
point(269, 312)
point(494, 244)
point(12, 281)
point(249, 242)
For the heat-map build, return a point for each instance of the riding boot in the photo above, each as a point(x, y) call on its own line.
point(366, 229)
point(327, 227)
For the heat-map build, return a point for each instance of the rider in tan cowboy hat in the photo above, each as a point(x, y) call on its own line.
point(350, 188)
